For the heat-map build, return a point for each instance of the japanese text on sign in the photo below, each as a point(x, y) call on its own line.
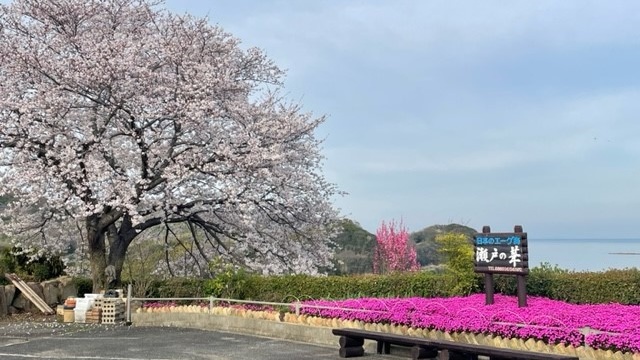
point(514, 256)
point(488, 240)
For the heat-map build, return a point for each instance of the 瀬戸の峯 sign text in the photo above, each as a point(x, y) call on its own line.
point(512, 255)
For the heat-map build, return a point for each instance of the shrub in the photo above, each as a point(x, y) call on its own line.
point(291, 287)
point(177, 288)
point(458, 254)
point(228, 282)
point(14, 260)
point(84, 285)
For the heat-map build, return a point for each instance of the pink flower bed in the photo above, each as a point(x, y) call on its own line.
point(610, 326)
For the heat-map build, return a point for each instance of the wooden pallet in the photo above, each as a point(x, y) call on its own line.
point(30, 294)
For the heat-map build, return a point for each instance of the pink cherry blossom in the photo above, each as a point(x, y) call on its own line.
point(394, 251)
point(117, 117)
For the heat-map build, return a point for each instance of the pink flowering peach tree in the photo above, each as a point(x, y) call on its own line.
point(117, 116)
point(394, 251)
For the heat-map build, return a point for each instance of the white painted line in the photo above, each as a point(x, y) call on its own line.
point(13, 342)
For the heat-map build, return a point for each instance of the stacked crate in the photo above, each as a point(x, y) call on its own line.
point(112, 310)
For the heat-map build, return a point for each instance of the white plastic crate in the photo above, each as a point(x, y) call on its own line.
point(79, 315)
point(84, 303)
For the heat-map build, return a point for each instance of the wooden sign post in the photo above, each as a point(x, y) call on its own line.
point(502, 253)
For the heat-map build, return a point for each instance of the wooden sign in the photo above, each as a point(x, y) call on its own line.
point(502, 253)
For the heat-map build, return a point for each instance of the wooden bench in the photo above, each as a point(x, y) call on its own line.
point(352, 341)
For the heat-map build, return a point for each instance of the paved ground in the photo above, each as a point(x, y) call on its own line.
point(51, 340)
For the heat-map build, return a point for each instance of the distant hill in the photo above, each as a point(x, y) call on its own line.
point(354, 246)
point(426, 246)
point(354, 249)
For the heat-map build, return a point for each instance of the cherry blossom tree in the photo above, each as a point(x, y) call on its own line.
point(117, 116)
point(394, 251)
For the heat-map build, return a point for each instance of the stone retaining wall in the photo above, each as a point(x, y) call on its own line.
point(318, 330)
point(52, 291)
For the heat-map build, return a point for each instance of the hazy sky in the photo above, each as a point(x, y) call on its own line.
point(484, 113)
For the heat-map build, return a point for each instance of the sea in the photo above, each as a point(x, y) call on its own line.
point(585, 254)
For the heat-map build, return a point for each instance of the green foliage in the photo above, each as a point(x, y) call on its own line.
point(38, 269)
point(300, 287)
point(177, 287)
point(541, 279)
point(354, 248)
point(426, 245)
point(228, 281)
point(140, 261)
point(622, 286)
point(84, 285)
point(457, 252)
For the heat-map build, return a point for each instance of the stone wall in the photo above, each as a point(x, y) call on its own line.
point(53, 292)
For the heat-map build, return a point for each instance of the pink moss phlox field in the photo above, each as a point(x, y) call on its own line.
point(607, 326)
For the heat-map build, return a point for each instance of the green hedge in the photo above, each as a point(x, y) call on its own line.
point(620, 286)
point(290, 288)
point(177, 287)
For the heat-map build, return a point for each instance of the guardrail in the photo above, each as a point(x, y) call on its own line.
point(296, 305)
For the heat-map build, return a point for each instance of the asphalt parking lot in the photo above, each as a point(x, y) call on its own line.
point(51, 340)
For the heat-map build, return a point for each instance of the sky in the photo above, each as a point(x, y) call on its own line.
point(482, 113)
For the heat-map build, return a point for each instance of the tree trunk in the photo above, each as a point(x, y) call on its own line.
point(97, 253)
point(117, 252)
point(119, 241)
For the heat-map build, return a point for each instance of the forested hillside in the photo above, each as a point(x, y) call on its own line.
point(426, 246)
point(354, 249)
point(354, 246)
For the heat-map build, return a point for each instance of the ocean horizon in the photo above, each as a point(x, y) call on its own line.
point(593, 254)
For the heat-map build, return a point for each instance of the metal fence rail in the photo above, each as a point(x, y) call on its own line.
point(296, 305)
